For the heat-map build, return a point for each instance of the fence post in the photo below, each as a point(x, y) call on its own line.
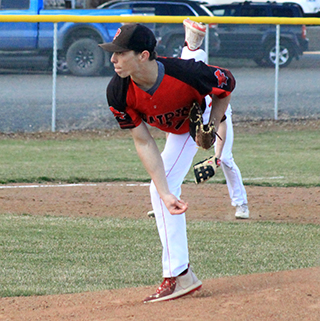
point(206, 42)
point(54, 77)
point(276, 89)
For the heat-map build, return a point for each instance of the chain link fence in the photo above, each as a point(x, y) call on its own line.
point(26, 94)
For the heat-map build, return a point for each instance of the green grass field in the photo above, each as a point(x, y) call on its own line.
point(278, 158)
point(48, 255)
point(51, 255)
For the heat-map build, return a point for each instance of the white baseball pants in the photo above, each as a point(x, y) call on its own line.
point(230, 169)
point(177, 157)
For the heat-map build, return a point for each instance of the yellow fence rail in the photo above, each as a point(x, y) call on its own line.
point(157, 19)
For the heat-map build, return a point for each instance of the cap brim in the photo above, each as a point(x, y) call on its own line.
point(111, 47)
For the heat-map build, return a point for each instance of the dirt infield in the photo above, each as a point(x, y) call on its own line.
point(281, 204)
point(289, 295)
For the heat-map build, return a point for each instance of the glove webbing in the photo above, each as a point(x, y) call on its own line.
point(206, 169)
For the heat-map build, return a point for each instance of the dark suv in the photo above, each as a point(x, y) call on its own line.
point(170, 36)
point(257, 42)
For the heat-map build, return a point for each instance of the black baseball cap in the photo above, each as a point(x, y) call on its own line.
point(131, 36)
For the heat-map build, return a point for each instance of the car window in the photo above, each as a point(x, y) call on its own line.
point(163, 9)
point(282, 12)
point(231, 12)
point(121, 6)
point(180, 10)
point(219, 12)
point(254, 12)
point(14, 4)
point(224, 12)
point(157, 9)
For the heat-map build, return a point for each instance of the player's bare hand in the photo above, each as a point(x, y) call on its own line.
point(175, 206)
point(179, 208)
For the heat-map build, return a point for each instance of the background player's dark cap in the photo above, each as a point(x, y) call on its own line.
point(131, 37)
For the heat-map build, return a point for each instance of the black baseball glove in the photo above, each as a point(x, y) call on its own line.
point(206, 169)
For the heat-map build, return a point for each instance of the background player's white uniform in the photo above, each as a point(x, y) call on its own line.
point(230, 169)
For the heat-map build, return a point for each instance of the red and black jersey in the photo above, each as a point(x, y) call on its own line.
point(184, 82)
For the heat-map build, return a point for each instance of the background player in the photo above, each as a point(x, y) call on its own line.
point(160, 92)
point(194, 35)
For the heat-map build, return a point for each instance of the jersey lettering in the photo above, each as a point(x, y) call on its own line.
point(179, 124)
point(166, 118)
point(150, 121)
point(160, 119)
point(182, 112)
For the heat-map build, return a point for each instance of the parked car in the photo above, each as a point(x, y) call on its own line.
point(310, 8)
point(170, 36)
point(257, 42)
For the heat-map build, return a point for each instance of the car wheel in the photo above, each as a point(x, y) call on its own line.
point(174, 47)
point(285, 54)
point(85, 58)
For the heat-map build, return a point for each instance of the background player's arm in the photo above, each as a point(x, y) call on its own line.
point(149, 154)
point(218, 109)
point(222, 132)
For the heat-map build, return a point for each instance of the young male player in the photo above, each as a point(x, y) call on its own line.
point(160, 92)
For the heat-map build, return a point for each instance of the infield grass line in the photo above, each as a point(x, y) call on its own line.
point(110, 184)
point(72, 185)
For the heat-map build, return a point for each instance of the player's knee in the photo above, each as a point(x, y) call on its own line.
point(227, 161)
